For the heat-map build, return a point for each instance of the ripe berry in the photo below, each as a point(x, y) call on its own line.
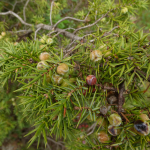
point(144, 117)
point(42, 65)
point(91, 80)
point(62, 69)
point(96, 55)
point(57, 79)
point(124, 10)
point(103, 137)
point(141, 127)
point(3, 33)
point(49, 41)
point(115, 119)
point(44, 56)
point(113, 130)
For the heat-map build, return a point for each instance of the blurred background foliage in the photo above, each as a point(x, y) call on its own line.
point(142, 20)
point(13, 126)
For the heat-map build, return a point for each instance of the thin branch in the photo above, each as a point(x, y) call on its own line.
point(17, 16)
point(57, 143)
point(90, 25)
point(92, 128)
point(19, 31)
point(69, 51)
point(141, 73)
point(51, 12)
point(14, 5)
point(127, 120)
point(146, 88)
point(51, 33)
point(120, 97)
point(107, 87)
point(71, 18)
point(87, 16)
point(36, 33)
point(70, 45)
point(62, 32)
point(49, 147)
point(66, 33)
point(108, 33)
point(88, 35)
point(24, 9)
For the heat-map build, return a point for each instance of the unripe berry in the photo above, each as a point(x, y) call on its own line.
point(101, 121)
point(43, 46)
point(15, 43)
point(82, 136)
point(103, 20)
point(103, 46)
point(113, 130)
point(42, 65)
point(48, 78)
point(57, 79)
point(62, 69)
point(96, 55)
point(91, 80)
point(44, 56)
point(107, 53)
point(1, 37)
point(43, 39)
point(71, 80)
point(49, 41)
point(124, 10)
point(144, 117)
point(65, 84)
point(141, 127)
point(115, 119)
point(7, 39)
point(133, 133)
point(103, 137)
point(3, 33)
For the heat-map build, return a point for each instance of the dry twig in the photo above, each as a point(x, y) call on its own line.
point(24, 9)
point(51, 12)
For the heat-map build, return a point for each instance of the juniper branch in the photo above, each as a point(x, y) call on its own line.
point(17, 16)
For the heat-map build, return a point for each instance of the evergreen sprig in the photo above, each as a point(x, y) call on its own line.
point(73, 109)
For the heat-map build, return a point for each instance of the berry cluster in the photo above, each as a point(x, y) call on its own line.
point(62, 70)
